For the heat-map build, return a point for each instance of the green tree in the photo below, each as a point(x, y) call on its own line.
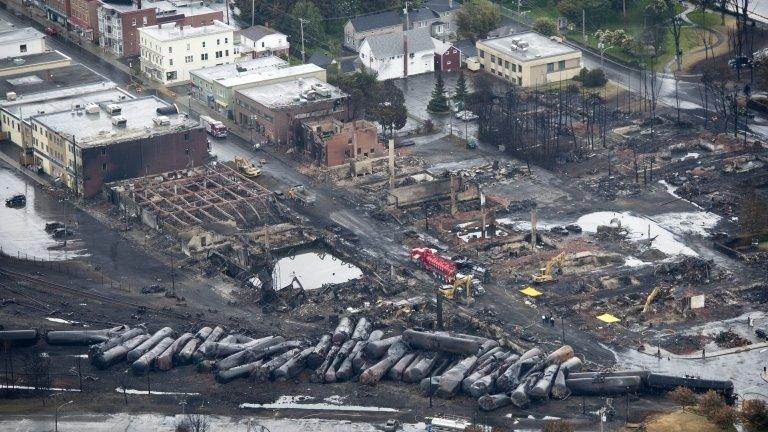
point(363, 90)
point(313, 26)
point(438, 103)
point(597, 11)
point(461, 92)
point(476, 18)
point(390, 111)
point(545, 26)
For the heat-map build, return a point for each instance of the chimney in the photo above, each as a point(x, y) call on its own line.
point(450, 4)
point(138, 4)
point(266, 24)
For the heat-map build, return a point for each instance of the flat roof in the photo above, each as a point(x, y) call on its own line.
point(58, 93)
point(32, 59)
point(171, 31)
point(538, 46)
point(247, 67)
point(269, 74)
point(292, 93)
point(47, 80)
point(92, 130)
point(5, 26)
point(20, 34)
point(25, 110)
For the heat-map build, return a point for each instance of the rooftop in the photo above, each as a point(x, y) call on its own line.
point(46, 80)
point(5, 26)
point(171, 31)
point(391, 44)
point(267, 74)
point(441, 6)
point(19, 34)
point(92, 130)
point(247, 67)
point(538, 46)
point(58, 93)
point(377, 20)
point(27, 109)
point(292, 93)
point(32, 59)
point(257, 32)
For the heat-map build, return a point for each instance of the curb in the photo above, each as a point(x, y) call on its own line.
point(650, 349)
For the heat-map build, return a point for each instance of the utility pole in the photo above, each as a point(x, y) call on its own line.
point(226, 9)
point(519, 2)
point(405, 40)
point(584, 26)
point(253, 11)
point(302, 21)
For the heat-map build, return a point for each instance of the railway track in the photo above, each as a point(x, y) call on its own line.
point(64, 289)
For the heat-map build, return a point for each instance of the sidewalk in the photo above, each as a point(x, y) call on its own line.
point(652, 350)
point(15, 164)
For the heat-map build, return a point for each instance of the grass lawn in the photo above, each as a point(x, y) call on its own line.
point(679, 421)
point(708, 19)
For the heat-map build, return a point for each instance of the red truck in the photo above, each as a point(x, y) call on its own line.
point(440, 266)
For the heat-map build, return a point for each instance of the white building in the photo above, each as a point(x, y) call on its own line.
point(260, 41)
point(19, 42)
point(169, 52)
point(384, 54)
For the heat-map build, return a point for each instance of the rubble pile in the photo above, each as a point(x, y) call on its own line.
point(729, 339)
point(443, 364)
point(691, 270)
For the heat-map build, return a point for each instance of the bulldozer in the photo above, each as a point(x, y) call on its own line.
point(460, 282)
point(546, 274)
point(246, 167)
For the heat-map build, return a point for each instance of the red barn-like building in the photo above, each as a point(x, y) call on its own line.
point(447, 57)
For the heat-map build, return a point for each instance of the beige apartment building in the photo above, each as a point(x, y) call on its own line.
point(528, 59)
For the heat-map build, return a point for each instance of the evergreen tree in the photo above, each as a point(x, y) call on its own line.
point(460, 95)
point(438, 103)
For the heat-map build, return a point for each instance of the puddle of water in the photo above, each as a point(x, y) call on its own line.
point(313, 270)
point(22, 230)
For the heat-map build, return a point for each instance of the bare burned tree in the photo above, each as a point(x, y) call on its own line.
point(37, 370)
point(193, 423)
point(716, 91)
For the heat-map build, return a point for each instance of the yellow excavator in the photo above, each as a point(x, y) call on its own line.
point(460, 282)
point(655, 293)
point(546, 274)
point(246, 167)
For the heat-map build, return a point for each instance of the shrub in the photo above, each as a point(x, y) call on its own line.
point(557, 426)
point(710, 402)
point(545, 26)
point(594, 78)
point(682, 396)
point(754, 414)
point(724, 417)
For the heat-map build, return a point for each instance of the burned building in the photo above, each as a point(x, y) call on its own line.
point(87, 146)
point(278, 110)
point(332, 143)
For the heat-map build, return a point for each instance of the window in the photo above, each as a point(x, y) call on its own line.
point(188, 47)
point(204, 56)
point(506, 64)
point(189, 59)
point(170, 50)
point(218, 41)
point(226, 53)
point(550, 67)
point(170, 62)
point(203, 44)
point(186, 151)
point(144, 20)
point(481, 53)
point(411, 55)
point(104, 167)
point(262, 44)
point(493, 59)
point(186, 136)
point(23, 48)
point(133, 22)
point(103, 151)
point(218, 54)
point(500, 61)
point(226, 40)
point(561, 64)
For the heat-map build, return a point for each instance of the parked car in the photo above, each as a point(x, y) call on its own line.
point(50, 31)
point(18, 200)
point(51, 226)
point(62, 232)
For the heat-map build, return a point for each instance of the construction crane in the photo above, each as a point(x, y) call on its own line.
point(545, 274)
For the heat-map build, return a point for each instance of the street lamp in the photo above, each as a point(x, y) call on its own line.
point(56, 416)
